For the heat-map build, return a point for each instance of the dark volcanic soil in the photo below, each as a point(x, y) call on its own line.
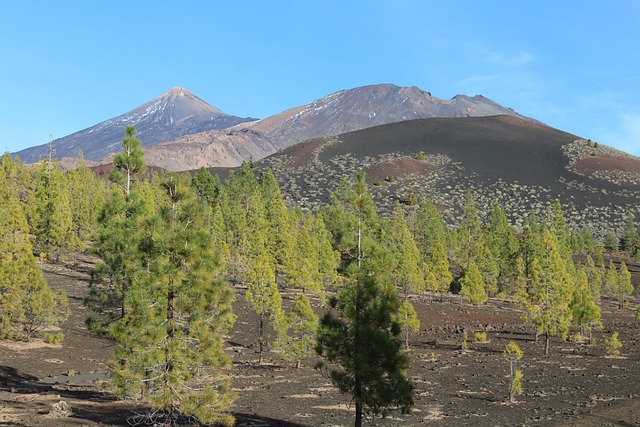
point(576, 385)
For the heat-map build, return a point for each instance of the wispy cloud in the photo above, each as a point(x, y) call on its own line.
point(510, 59)
point(626, 135)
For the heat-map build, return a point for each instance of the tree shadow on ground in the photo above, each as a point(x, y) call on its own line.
point(246, 420)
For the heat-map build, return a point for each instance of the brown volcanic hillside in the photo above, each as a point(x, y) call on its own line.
point(338, 113)
point(522, 164)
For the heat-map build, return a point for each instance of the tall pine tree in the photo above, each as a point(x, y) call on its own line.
point(169, 344)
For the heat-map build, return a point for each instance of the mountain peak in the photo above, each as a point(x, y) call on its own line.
point(176, 92)
point(175, 113)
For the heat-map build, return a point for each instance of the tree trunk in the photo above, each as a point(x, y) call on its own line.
point(170, 335)
point(261, 339)
point(358, 414)
point(547, 340)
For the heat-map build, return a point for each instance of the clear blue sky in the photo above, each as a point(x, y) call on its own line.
point(67, 65)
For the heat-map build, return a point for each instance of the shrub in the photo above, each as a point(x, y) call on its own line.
point(51, 338)
point(613, 345)
point(480, 336)
point(465, 338)
point(60, 409)
point(420, 156)
point(577, 337)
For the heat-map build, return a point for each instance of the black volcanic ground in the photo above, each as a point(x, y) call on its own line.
point(519, 163)
point(494, 147)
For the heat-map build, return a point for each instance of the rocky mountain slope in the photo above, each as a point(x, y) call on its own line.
point(171, 115)
point(338, 113)
point(368, 106)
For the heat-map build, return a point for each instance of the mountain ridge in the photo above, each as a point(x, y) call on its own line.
point(180, 131)
point(337, 113)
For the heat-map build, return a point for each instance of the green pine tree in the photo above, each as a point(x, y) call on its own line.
point(206, 186)
point(407, 273)
point(438, 275)
point(623, 287)
point(120, 232)
point(359, 337)
point(53, 219)
point(549, 292)
point(169, 343)
point(611, 279)
point(27, 304)
point(595, 278)
point(299, 337)
point(428, 228)
point(610, 242)
point(87, 198)
point(473, 289)
point(264, 297)
point(408, 319)
point(630, 240)
point(128, 163)
point(585, 311)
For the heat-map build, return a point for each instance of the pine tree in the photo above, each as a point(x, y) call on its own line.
point(630, 236)
point(428, 228)
point(438, 275)
point(303, 263)
point(623, 287)
point(128, 163)
point(360, 338)
point(585, 311)
point(352, 221)
point(560, 229)
point(595, 278)
point(472, 246)
point(120, 230)
point(513, 353)
point(169, 344)
point(531, 246)
point(27, 304)
point(613, 345)
point(610, 242)
point(360, 335)
point(408, 320)
point(473, 285)
point(406, 259)
point(280, 240)
point(219, 238)
point(301, 325)
point(611, 279)
point(470, 232)
point(549, 292)
point(53, 219)
point(264, 297)
point(87, 198)
point(206, 186)
point(501, 241)
point(328, 259)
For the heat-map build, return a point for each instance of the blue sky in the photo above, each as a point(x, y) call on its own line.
point(67, 65)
